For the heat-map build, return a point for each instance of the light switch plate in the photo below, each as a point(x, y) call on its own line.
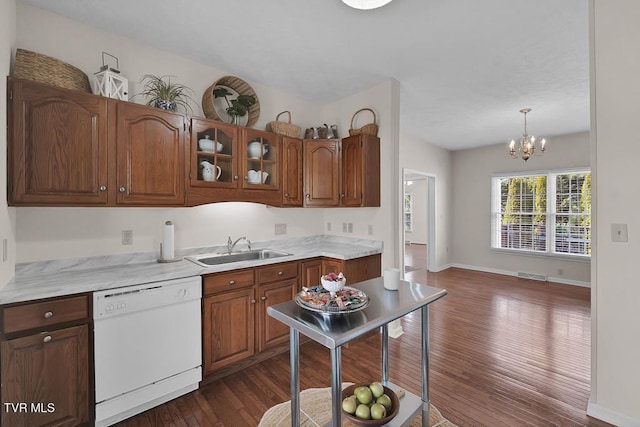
point(280, 229)
point(619, 233)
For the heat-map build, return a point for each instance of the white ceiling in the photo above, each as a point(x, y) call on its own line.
point(465, 66)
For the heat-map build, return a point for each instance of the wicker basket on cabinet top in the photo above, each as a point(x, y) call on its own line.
point(45, 69)
point(371, 128)
point(284, 128)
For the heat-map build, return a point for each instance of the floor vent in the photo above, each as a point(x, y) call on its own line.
point(532, 276)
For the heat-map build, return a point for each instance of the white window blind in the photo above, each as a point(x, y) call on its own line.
point(543, 213)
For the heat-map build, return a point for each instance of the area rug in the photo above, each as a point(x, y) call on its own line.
point(315, 411)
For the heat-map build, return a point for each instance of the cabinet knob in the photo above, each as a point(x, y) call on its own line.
point(246, 178)
point(342, 195)
point(236, 177)
point(253, 301)
point(103, 188)
point(122, 189)
point(47, 338)
point(286, 194)
point(280, 273)
point(232, 282)
point(308, 196)
point(48, 315)
point(263, 298)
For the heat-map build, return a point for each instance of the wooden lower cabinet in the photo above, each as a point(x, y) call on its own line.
point(48, 374)
point(310, 272)
point(236, 327)
point(228, 329)
point(271, 331)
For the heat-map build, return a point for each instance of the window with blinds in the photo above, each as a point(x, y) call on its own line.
point(543, 213)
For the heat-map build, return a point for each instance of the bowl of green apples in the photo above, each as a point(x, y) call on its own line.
point(369, 404)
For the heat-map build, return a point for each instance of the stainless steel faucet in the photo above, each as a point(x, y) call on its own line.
point(231, 244)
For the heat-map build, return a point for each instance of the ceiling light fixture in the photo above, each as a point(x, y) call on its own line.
point(365, 4)
point(527, 143)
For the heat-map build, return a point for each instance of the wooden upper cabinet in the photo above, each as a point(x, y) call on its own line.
point(292, 188)
point(360, 171)
point(57, 146)
point(219, 148)
point(150, 147)
point(321, 172)
point(260, 160)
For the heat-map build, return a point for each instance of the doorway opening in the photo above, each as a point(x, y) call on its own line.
point(418, 222)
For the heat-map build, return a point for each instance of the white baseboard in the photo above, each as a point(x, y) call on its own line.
point(441, 268)
point(610, 416)
point(515, 274)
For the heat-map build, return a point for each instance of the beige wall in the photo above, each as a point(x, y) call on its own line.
point(616, 294)
point(472, 171)
point(421, 156)
point(7, 215)
point(46, 233)
point(382, 99)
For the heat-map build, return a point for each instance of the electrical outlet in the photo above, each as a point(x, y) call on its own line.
point(350, 227)
point(280, 229)
point(127, 237)
point(344, 227)
point(370, 229)
point(328, 226)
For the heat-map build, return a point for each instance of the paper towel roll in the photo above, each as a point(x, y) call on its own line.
point(167, 241)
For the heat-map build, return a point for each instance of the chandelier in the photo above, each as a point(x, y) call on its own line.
point(365, 4)
point(527, 143)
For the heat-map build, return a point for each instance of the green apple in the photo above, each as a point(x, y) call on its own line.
point(376, 389)
point(358, 389)
point(349, 404)
point(385, 401)
point(378, 411)
point(363, 411)
point(364, 395)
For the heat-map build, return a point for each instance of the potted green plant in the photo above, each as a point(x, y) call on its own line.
point(237, 107)
point(163, 94)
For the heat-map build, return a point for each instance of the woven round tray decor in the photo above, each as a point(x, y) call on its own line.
point(284, 128)
point(238, 85)
point(371, 128)
point(45, 69)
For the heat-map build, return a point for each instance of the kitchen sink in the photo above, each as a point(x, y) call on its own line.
point(208, 260)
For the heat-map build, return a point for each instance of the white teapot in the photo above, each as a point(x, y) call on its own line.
point(256, 149)
point(253, 177)
point(209, 145)
point(208, 171)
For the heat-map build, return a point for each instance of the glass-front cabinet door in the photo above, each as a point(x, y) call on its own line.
point(260, 160)
point(214, 148)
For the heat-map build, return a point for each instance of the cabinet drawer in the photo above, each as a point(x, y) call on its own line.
point(282, 271)
point(43, 314)
point(227, 281)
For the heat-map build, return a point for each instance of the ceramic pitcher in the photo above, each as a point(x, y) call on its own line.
point(208, 171)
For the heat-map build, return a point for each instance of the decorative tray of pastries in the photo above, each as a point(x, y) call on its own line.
point(318, 299)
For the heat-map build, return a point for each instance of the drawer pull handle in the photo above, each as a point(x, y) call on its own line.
point(103, 188)
point(232, 282)
point(47, 338)
point(48, 315)
point(263, 298)
point(122, 189)
point(280, 273)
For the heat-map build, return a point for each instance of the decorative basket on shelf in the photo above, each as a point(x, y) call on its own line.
point(284, 128)
point(371, 128)
point(45, 69)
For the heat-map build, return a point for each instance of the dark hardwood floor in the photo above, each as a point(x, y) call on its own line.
point(504, 352)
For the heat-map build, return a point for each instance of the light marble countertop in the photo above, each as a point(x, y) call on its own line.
point(47, 279)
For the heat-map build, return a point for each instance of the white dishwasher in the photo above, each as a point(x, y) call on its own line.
point(147, 342)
